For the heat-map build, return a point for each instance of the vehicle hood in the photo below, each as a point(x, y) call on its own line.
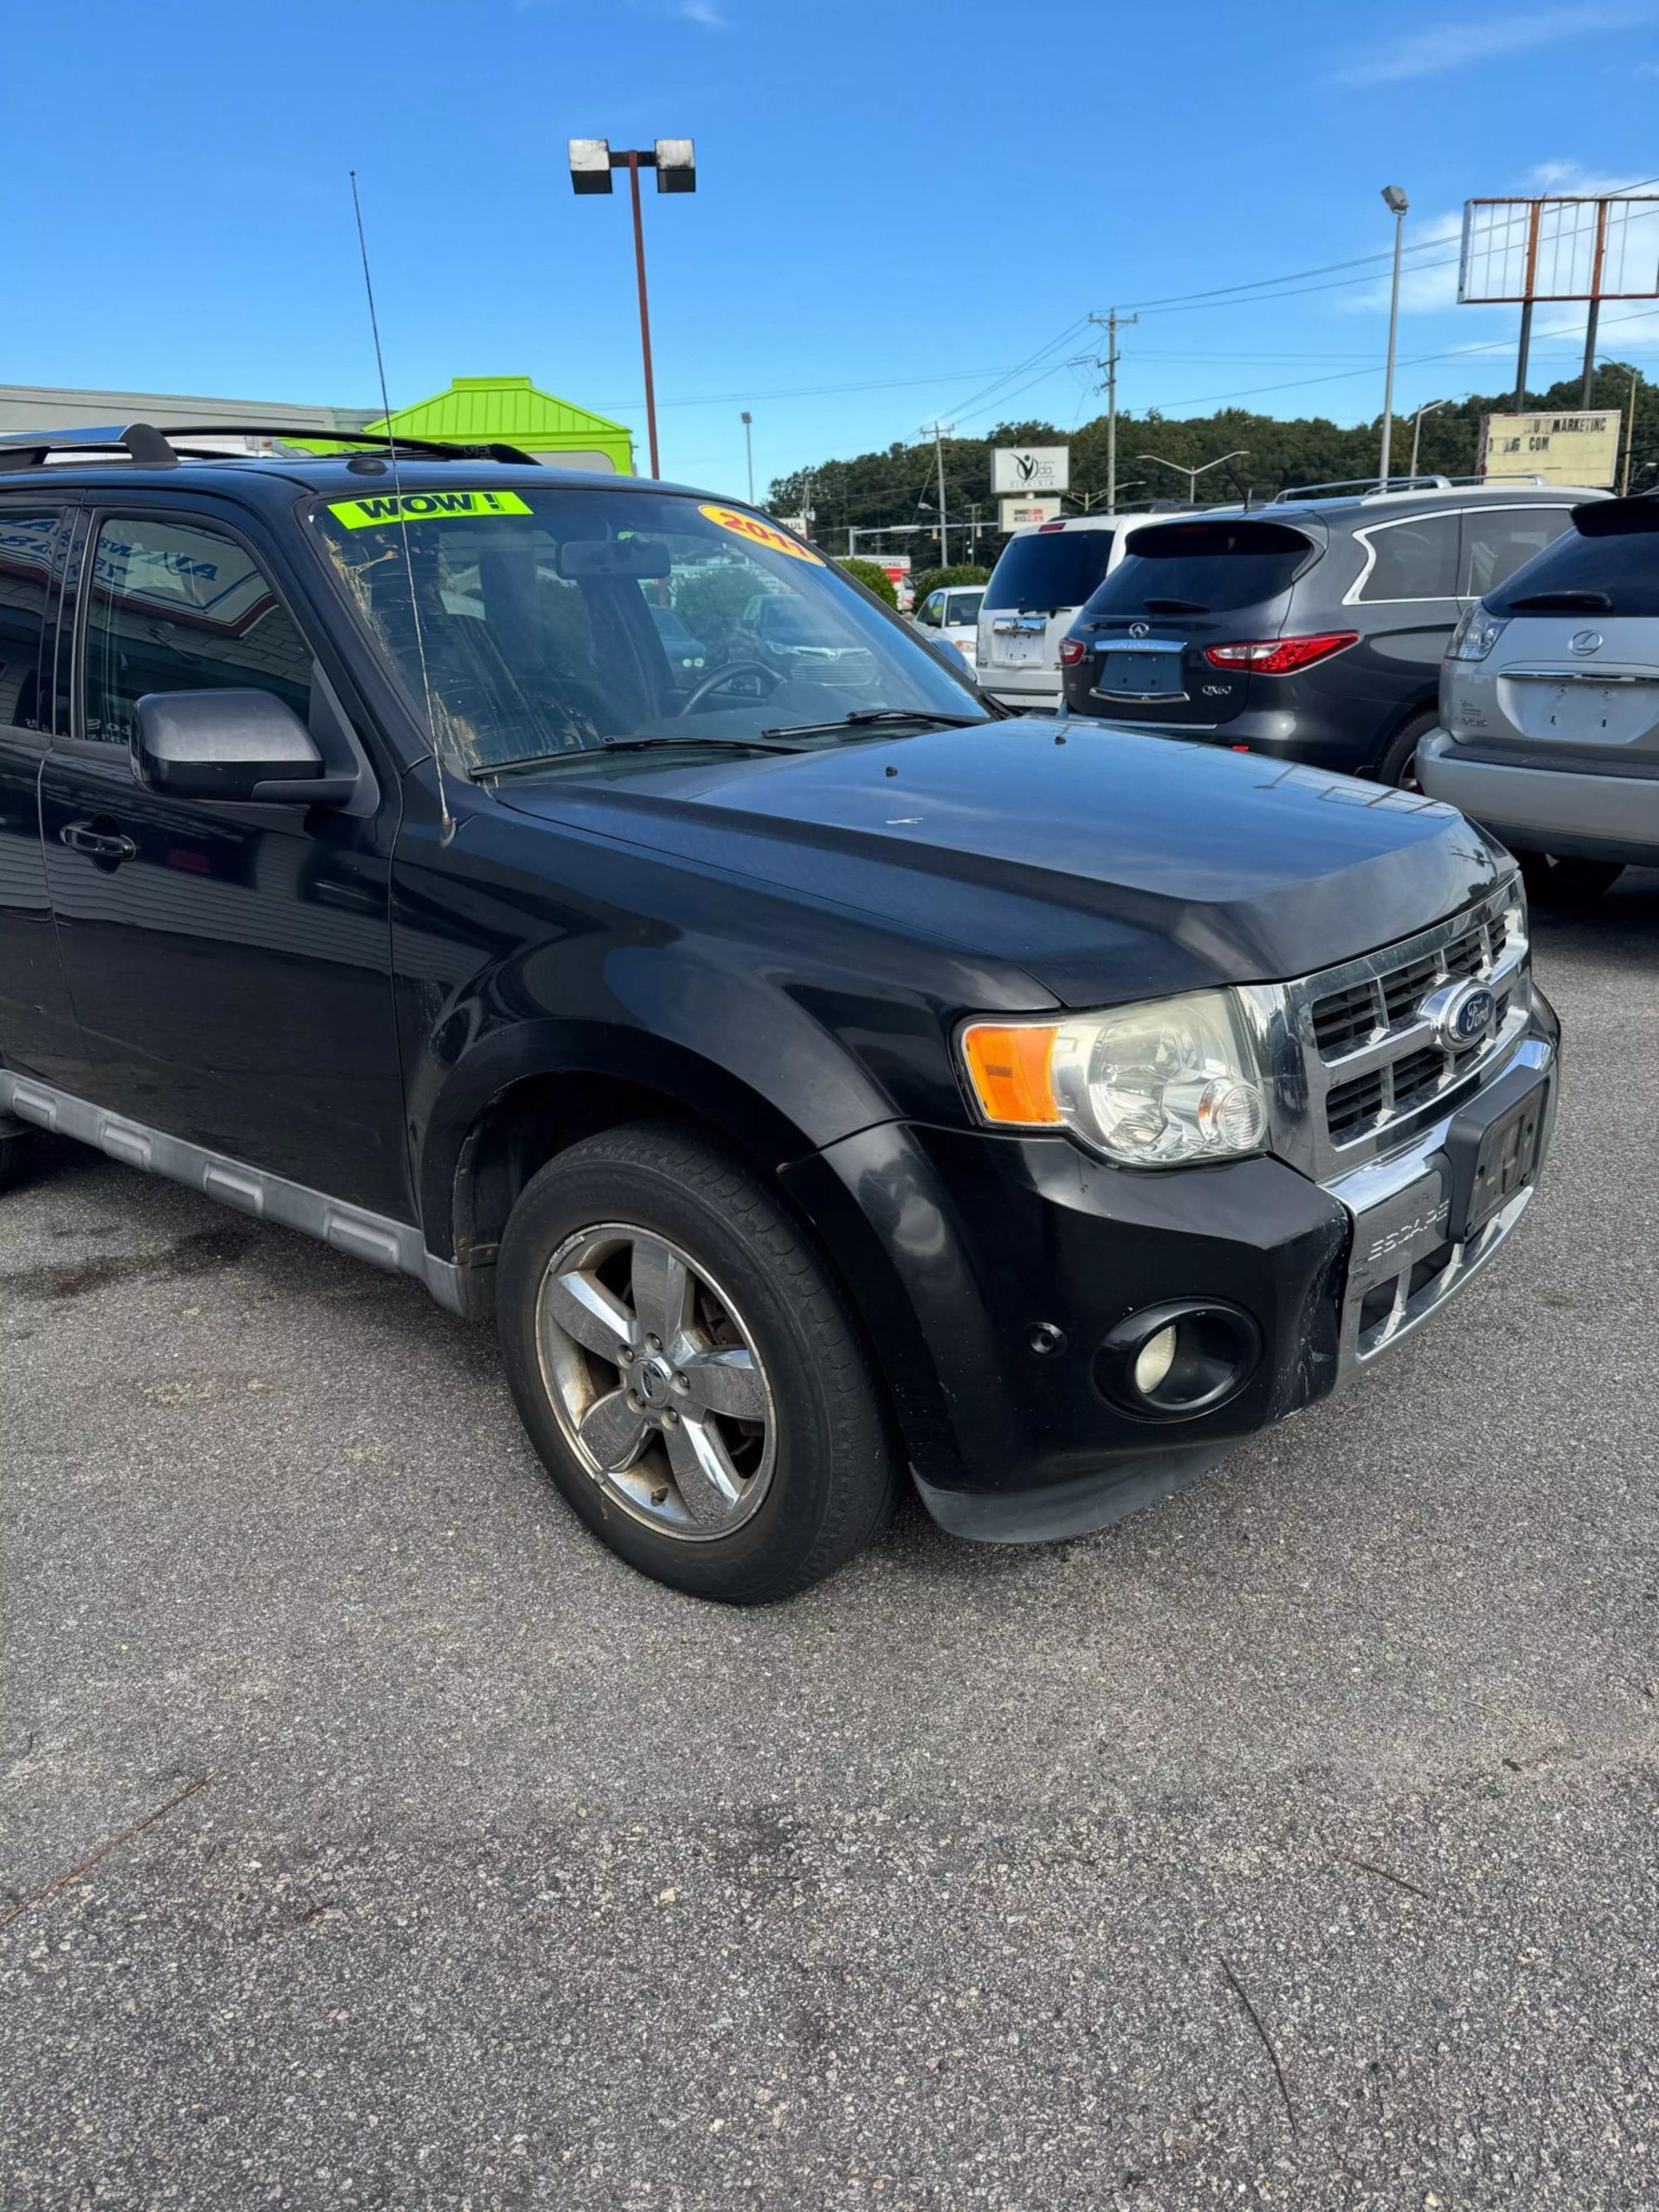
point(1107, 865)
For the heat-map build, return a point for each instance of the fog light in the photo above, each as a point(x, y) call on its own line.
point(1173, 1362)
point(1155, 1359)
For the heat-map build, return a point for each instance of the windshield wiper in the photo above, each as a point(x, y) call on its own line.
point(761, 745)
point(864, 718)
point(1567, 603)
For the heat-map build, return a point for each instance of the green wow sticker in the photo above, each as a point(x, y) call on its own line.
point(424, 507)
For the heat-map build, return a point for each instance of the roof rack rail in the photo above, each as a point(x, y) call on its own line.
point(1376, 488)
point(148, 447)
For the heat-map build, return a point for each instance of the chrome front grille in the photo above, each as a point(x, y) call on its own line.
point(1358, 1070)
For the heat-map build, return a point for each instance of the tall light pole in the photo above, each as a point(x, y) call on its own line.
point(1394, 198)
point(1429, 407)
point(749, 449)
point(675, 162)
point(1192, 475)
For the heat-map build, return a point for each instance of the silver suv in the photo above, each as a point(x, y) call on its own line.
point(1549, 704)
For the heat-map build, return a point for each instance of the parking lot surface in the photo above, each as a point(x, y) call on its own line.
point(1292, 1842)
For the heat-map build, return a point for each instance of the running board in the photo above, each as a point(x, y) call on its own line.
point(395, 1245)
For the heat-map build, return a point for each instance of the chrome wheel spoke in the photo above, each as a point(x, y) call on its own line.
point(662, 1291)
point(594, 1316)
point(725, 1381)
point(709, 1486)
point(614, 1431)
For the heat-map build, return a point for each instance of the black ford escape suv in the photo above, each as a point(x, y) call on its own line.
point(814, 1076)
point(1310, 629)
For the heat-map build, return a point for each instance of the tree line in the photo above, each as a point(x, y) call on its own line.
point(899, 485)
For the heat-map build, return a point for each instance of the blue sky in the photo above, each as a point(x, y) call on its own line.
point(897, 207)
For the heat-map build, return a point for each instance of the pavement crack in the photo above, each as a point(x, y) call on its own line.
point(1388, 1874)
point(60, 1880)
point(1239, 1992)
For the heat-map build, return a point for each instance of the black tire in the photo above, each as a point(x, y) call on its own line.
point(1397, 765)
point(1569, 884)
point(14, 1158)
point(833, 1470)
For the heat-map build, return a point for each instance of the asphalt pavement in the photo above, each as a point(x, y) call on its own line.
point(1291, 1842)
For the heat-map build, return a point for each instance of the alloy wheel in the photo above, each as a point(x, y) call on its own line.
point(656, 1381)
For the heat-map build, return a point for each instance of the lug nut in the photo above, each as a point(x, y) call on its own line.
point(669, 1416)
point(653, 1344)
point(682, 1385)
point(636, 1401)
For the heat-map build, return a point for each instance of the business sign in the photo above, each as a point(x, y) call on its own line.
point(1031, 469)
point(1563, 449)
point(1019, 514)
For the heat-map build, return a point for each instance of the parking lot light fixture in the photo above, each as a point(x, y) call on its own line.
point(1394, 198)
point(748, 450)
point(674, 160)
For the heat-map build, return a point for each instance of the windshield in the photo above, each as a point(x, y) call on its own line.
point(964, 606)
point(1049, 570)
point(546, 623)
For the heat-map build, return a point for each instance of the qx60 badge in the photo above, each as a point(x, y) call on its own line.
point(1461, 1015)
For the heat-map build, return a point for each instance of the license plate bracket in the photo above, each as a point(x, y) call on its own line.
point(1135, 673)
point(1492, 1148)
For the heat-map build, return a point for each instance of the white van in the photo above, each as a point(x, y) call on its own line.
point(1044, 575)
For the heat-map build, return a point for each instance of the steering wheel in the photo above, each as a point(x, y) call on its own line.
point(718, 678)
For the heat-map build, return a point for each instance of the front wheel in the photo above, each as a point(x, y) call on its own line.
point(688, 1370)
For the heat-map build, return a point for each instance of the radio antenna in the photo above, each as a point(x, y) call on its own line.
point(402, 521)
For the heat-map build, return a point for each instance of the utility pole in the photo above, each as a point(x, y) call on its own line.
point(749, 448)
point(939, 430)
point(1114, 323)
point(1630, 423)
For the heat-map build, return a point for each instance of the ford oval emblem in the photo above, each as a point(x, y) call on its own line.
point(1461, 1015)
point(1141, 629)
point(1586, 641)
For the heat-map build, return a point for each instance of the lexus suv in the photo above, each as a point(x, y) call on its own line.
point(1311, 629)
point(1549, 704)
point(819, 1080)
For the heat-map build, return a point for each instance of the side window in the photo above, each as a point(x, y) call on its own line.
point(27, 543)
point(1495, 545)
point(177, 606)
point(1415, 560)
point(930, 609)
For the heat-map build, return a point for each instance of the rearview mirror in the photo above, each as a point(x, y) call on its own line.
point(641, 557)
point(248, 745)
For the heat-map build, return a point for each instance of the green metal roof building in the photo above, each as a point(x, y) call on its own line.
point(483, 409)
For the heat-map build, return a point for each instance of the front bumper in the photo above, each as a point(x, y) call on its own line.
point(1560, 809)
point(1004, 1261)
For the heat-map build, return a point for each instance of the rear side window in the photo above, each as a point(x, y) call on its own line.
point(175, 606)
point(1499, 542)
point(1614, 571)
point(1052, 569)
point(1204, 568)
point(25, 548)
point(1413, 560)
point(964, 606)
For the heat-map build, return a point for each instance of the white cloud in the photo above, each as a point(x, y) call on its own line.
point(1456, 46)
point(1574, 177)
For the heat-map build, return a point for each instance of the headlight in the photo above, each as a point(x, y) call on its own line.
point(1475, 634)
point(1159, 1085)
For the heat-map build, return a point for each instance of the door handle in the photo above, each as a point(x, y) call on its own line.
point(97, 844)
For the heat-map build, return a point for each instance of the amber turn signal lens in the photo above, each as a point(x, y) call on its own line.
point(1009, 1069)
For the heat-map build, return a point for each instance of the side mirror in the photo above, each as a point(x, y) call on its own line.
point(247, 745)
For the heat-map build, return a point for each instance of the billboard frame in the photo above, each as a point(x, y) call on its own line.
point(1528, 293)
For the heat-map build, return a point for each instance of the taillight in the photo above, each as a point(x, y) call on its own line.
point(1072, 650)
point(1280, 656)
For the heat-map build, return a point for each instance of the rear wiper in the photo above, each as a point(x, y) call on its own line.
point(761, 745)
point(1173, 607)
point(1565, 602)
point(864, 718)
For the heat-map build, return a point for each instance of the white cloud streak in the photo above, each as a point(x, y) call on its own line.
point(1458, 45)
